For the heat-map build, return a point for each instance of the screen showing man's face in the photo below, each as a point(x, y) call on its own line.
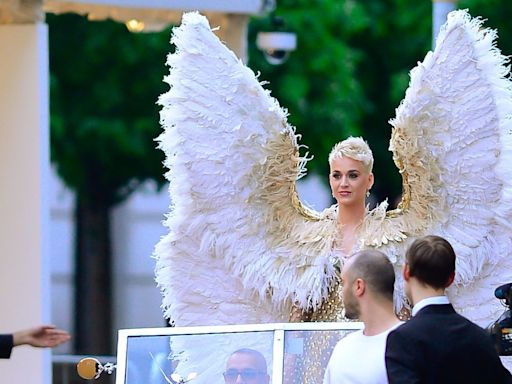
point(246, 368)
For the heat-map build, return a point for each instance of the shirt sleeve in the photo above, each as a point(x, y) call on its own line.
point(6, 344)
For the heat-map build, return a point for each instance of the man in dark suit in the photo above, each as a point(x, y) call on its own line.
point(438, 345)
point(41, 336)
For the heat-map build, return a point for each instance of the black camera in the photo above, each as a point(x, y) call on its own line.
point(501, 329)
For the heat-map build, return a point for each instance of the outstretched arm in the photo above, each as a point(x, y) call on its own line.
point(41, 336)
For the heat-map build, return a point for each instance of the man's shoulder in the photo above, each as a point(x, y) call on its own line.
point(413, 328)
point(426, 324)
point(447, 315)
point(408, 324)
point(426, 316)
point(351, 336)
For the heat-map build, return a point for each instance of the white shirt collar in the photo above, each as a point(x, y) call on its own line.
point(435, 300)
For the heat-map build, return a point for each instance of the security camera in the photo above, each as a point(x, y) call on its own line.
point(276, 46)
point(501, 329)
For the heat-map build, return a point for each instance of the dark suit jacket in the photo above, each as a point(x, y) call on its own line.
point(5, 346)
point(440, 346)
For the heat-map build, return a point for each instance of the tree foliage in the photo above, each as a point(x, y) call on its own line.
point(104, 85)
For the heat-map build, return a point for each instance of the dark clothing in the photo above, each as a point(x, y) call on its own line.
point(440, 346)
point(6, 344)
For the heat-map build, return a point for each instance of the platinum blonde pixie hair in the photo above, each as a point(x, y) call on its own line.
point(355, 148)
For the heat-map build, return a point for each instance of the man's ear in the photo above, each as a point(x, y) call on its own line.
point(359, 287)
point(406, 272)
point(450, 279)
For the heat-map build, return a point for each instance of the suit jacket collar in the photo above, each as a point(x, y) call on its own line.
point(428, 301)
point(441, 309)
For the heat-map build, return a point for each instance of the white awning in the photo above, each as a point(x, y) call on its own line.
point(154, 14)
point(221, 6)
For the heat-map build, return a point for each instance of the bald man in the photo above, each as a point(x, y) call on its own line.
point(368, 282)
point(246, 366)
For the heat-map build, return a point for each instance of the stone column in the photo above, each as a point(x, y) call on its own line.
point(233, 32)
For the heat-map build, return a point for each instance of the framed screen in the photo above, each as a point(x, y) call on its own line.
point(260, 353)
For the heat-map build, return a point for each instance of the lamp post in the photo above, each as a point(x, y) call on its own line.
point(440, 9)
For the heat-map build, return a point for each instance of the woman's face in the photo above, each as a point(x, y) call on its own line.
point(349, 181)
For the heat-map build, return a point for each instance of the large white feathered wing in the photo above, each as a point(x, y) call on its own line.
point(452, 141)
point(237, 231)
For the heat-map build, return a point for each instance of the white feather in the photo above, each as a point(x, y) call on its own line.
point(457, 114)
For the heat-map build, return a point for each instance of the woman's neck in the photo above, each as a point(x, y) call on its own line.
point(351, 216)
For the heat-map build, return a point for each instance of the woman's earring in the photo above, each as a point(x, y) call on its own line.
point(368, 193)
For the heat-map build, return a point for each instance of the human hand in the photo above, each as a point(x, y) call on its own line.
point(41, 336)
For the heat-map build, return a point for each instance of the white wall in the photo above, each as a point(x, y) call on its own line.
point(137, 227)
point(24, 167)
point(61, 250)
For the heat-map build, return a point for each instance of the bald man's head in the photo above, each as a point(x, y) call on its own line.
point(246, 366)
point(375, 269)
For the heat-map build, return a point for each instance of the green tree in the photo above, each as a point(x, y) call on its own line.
point(104, 85)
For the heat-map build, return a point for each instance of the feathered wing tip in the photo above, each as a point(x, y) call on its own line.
point(476, 301)
point(495, 68)
point(451, 142)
